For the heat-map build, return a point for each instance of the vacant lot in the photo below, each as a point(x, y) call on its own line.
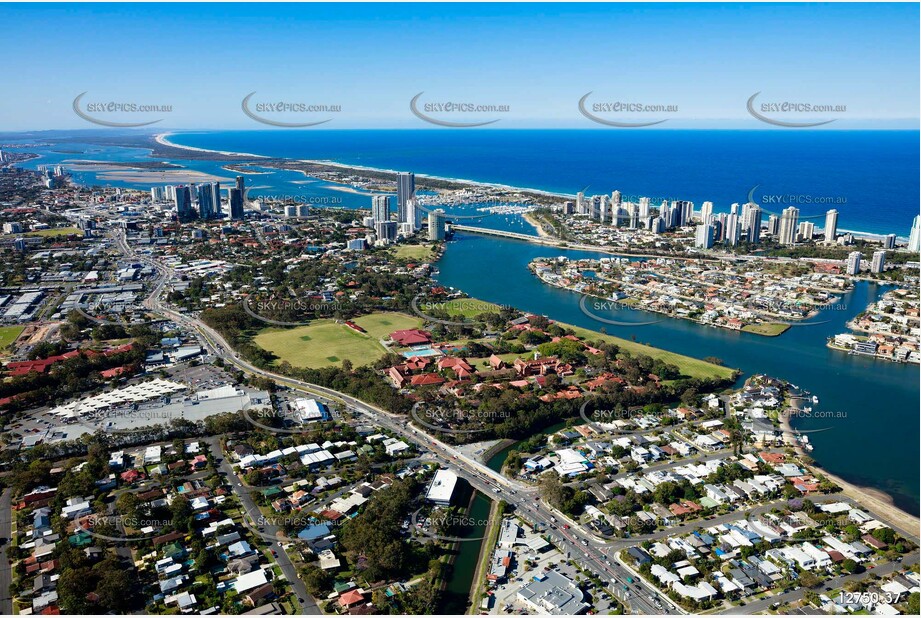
point(466, 307)
point(770, 329)
point(325, 343)
point(423, 253)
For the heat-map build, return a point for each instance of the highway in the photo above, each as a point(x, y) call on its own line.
point(593, 555)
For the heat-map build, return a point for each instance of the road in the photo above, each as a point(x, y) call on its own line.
point(308, 606)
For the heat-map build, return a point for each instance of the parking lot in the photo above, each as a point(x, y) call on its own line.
point(505, 595)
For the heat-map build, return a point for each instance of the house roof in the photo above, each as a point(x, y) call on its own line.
point(350, 598)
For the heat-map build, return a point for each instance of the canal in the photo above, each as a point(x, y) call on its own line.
point(456, 594)
point(871, 439)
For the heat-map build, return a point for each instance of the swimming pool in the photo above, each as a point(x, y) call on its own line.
point(421, 352)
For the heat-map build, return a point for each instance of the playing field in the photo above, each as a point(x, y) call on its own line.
point(325, 343)
point(56, 231)
point(8, 335)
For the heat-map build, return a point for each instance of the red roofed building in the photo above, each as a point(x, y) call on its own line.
point(130, 476)
point(836, 556)
point(398, 374)
point(540, 366)
point(331, 515)
point(427, 379)
point(416, 363)
point(570, 393)
point(873, 542)
point(685, 507)
point(114, 372)
point(771, 458)
point(410, 337)
point(351, 598)
point(602, 380)
point(41, 365)
point(451, 362)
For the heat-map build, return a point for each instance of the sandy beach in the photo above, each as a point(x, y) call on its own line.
point(163, 140)
point(530, 218)
point(877, 501)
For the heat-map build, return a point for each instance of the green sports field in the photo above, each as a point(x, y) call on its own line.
point(325, 343)
point(56, 231)
point(8, 335)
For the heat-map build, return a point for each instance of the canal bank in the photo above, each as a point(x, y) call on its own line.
point(493, 527)
point(874, 440)
point(465, 556)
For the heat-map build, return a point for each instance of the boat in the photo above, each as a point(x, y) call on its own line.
point(815, 399)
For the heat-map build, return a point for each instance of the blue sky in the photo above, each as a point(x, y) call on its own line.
point(538, 59)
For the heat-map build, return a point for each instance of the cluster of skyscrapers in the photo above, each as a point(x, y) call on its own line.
point(408, 211)
point(742, 222)
point(203, 201)
point(52, 176)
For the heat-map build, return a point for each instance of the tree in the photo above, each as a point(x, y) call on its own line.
point(316, 580)
point(181, 511)
point(853, 533)
point(808, 579)
point(73, 586)
point(375, 534)
point(886, 535)
point(551, 489)
point(127, 506)
point(913, 604)
point(850, 566)
point(690, 397)
point(116, 592)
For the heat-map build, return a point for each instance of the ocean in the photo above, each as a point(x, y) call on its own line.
point(870, 177)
